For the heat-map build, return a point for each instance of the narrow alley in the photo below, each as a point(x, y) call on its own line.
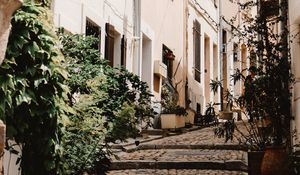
point(192, 153)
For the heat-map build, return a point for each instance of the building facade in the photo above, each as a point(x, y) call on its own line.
point(180, 43)
point(202, 52)
point(294, 23)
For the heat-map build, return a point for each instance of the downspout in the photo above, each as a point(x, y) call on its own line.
point(221, 52)
point(82, 17)
point(137, 36)
point(285, 55)
point(185, 44)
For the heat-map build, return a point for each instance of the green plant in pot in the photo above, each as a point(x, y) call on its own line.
point(172, 115)
point(266, 98)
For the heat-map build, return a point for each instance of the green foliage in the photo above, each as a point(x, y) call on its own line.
point(85, 148)
point(115, 100)
point(267, 87)
point(214, 85)
point(83, 61)
point(225, 130)
point(169, 103)
point(270, 87)
point(33, 92)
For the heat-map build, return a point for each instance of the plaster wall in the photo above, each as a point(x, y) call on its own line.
point(165, 19)
point(72, 15)
point(294, 23)
point(209, 31)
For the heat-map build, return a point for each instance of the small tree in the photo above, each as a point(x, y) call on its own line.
point(267, 93)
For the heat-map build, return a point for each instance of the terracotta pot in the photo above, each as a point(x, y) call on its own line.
point(254, 162)
point(275, 161)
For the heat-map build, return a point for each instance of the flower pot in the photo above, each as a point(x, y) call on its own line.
point(172, 121)
point(275, 161)
point(254, 162)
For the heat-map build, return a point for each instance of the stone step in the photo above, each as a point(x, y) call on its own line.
point(230, 165)
point(174, 172)
point(133, 148)
point(182, 155)
point(181, 159)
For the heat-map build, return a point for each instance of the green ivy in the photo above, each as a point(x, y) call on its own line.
point(32, 92)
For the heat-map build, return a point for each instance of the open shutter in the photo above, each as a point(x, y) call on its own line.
point(123, 50)
point(197, 50)
point(109, 43)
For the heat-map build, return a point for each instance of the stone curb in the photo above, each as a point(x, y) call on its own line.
point(199, 146)
point(123, 146)
point(232, 165)
point(167, 134)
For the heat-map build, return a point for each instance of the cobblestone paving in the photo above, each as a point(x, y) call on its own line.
point(203, 136)
point(184, 155)
point(174, 172)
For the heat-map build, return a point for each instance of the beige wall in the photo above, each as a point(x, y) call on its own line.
point(231, 12)
point(72, 15)
point(294, 20)
point(200, 92)
point(164, 18)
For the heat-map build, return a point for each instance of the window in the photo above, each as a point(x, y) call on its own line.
point(123, 50)
point(224, 41)
point(92, 29)
point(198, 108)
point(115, 46)
point(235, 52)
point(168, 58)
point(269, 8)
point(109, 43)
point(197, 50)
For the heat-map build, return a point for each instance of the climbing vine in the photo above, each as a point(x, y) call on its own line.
point(32, 92)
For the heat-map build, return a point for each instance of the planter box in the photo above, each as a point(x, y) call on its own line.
point(172, 121)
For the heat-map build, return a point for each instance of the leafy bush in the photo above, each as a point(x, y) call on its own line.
point(109, 104)
point(169, 103)
point(33, 92)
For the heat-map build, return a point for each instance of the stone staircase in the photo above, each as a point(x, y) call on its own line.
point(191, 153)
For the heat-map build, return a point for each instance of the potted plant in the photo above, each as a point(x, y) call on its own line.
point(210, 116)
point(266, 98)
point(172, 115)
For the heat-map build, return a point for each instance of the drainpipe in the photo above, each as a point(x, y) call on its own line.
point(82, 18)
point(285, 55)
point(221, 52)
point(185, 44)
point(137, 36)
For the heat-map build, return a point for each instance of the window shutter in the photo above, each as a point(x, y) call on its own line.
point(109, 43)
point(123, 50)
point(197, 50)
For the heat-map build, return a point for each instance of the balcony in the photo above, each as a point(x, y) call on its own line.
point(160, 68)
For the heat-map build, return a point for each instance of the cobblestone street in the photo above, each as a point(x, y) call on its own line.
point(192, 153)
point(175, 172)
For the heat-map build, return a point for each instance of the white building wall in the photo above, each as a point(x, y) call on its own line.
point(72, 15)
point(205, 12)
point(233, 17)
point(161, 23)
point(294, 20)
point(165, 20)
